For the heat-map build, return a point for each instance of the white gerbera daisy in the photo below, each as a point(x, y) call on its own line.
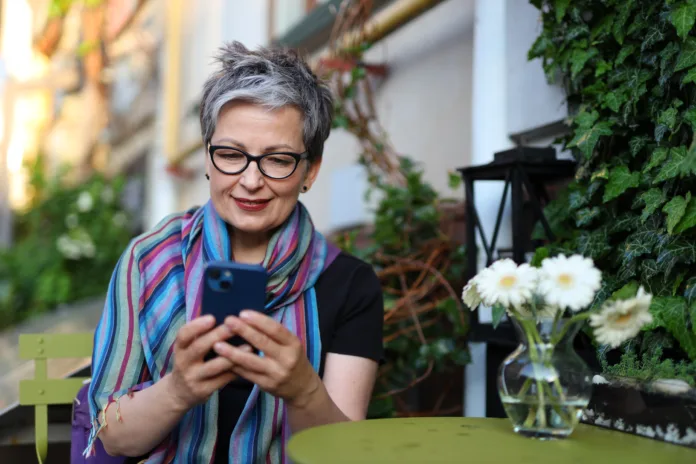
point(470, 295)
point(621, 320)
point(506, 284)
point(569, 282)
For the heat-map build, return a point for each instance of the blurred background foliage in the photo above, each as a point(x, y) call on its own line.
point(67, 243)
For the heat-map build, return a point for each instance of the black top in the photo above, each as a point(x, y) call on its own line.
point(351, 314)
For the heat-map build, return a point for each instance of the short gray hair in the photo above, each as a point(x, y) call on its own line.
point(273, 78)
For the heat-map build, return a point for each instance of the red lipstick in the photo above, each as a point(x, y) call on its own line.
point(251, 205)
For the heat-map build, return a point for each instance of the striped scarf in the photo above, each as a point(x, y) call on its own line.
point(157, 287)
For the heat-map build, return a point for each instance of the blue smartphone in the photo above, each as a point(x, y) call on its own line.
point(229, 288)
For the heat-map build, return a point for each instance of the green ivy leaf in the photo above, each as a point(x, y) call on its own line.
point(688, 220)
point(640, 243)
point(541, 44)
point(602, 173)
point(649, 269)
point(660, 131)
point(625, 52)
point(653, 199)
point(668, 118)
point(578, 199)
point(656, 159)
point(602, 68)
point(626, 222)
point(637, 144)
point(585, 216)
point(683, 18)
point(690, 116)
point(561, 7)
point(626, 292)
point(690, 76)
point(690, 290)
point(579, 58)
point(620, 180)
point(593, 244)
point(675, 210)
point(676, 251)
point(653, 36)
point(671, 314)
point(687, 56)
point(678, 164)
point(603, 28)
point(498, 313)
point(627, 270)
point(618, 30)
point(586, 139)
point(614, 101)
point(586, 119)
point(540, 255)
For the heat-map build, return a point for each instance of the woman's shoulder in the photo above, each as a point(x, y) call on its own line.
point(353, 273)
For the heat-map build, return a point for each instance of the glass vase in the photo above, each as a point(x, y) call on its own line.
point(544, 385)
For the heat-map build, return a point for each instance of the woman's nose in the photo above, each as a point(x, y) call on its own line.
point(252, 179)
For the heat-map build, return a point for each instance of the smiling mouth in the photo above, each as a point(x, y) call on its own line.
point(250, 202)
point(251, 205)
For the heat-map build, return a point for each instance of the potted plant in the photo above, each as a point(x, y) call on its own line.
point(544, 385)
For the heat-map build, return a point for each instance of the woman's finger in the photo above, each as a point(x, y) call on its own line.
point(214, 367)
point(203, 344)
point(267, 325)
point(245, 358)
point(255, 338)
point(193, 329)
point(216, 383)
point(252, 376)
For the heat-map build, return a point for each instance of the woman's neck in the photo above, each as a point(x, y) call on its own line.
point(248, 248)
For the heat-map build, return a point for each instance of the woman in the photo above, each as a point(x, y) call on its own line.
point(154, 396)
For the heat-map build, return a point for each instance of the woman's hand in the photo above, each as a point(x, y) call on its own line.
point(193, 380)
point(283, 371)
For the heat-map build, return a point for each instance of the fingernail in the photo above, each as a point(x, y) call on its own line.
point(246, 314)
point(208, 319)
point(246, 348)
point(219, 347)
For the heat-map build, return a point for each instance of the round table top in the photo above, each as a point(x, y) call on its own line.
point(472, 440)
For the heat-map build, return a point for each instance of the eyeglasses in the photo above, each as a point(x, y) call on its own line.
point(233, 161)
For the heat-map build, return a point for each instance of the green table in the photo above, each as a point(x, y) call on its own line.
point(471, 440)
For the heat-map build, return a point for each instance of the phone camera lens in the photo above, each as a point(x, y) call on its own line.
point(225, 285)
point(215, 274)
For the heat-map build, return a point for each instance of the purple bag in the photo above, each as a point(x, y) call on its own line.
point(80, 435)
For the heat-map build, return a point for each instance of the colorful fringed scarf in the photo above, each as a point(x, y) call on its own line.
point(156, 288)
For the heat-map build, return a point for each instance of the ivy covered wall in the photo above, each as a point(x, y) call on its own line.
point(629, 70)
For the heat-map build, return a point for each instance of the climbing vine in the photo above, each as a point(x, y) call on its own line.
point(629, 70)
point(420, 266)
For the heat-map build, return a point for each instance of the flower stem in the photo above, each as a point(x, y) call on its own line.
point(570, 323)
point(532, 336)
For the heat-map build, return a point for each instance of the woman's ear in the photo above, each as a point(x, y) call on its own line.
point(311, 175)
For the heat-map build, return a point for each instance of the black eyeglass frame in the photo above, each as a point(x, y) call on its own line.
point(297, 156)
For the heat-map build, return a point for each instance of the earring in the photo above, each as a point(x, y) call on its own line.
point(305, 188)
point(207, 176)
